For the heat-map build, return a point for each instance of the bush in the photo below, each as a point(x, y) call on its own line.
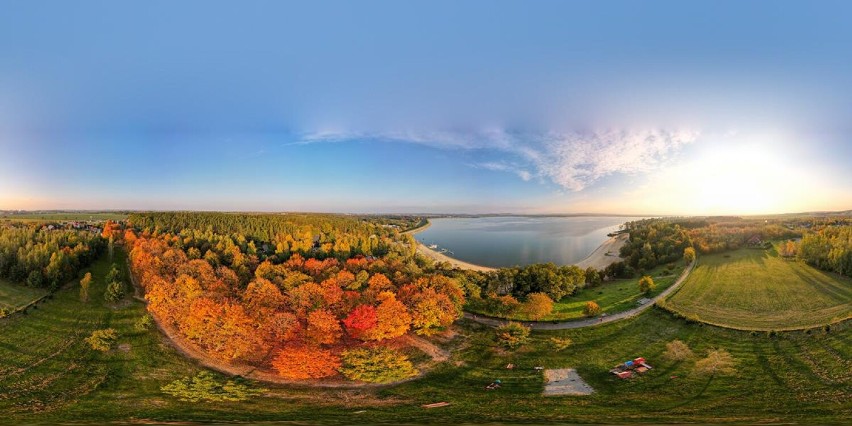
point(144, 322)
point(591, 309)
point(512, 335)
point(537, 306)
point(676, 350)
point(560, 343)
point(114, 292)
point(646, 284)
point(718, 362)
point(204, 387)
point(102, 340)
point(376, 365)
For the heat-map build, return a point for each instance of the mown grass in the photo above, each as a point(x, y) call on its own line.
point(757, 289)
point(49, 375)
point(15, 295)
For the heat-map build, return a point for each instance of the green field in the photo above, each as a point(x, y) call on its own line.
point(48, 374)
point(757, 289)
point(612, 296)
point(15, 295)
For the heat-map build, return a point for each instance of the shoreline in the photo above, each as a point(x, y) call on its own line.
point(597, 258)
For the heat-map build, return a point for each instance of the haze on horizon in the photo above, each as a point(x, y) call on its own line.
point(665, 107)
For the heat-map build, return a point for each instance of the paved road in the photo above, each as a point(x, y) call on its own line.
point(564, 325)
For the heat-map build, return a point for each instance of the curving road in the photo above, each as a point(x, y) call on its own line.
point(564, 325)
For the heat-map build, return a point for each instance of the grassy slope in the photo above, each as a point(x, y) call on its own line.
point(757, 289)
point(48, 374)
point(15, 295)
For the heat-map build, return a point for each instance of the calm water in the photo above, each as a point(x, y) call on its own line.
point(508, 241)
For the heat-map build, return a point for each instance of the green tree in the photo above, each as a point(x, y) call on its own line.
point(376, 365)
point(114, 291)
point(102, 340)
point(114, 274)
point(512, 335)
point(204, 387)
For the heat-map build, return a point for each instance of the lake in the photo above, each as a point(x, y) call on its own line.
point(516, 240)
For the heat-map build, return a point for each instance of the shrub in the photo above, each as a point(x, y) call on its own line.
point(512, 335)
point(102, 340)
point(114, 291)
point(560, 343)
point(84, 287)
point(537, 306)
point(376, 365)
point(114, 274)
point(718, 362)
point(144, 322)
point(591, 309)
point(676, 350)
point(305, 362)
point(204, 387)
point(646, 284)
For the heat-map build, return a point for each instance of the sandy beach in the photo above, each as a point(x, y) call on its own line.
point(440, 257)
point(606, 254)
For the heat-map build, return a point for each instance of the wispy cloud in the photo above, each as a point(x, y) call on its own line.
point(572, 160)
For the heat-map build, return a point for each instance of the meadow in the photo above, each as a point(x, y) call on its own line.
point(757, 289)
point(15, 295)
point(50, 375)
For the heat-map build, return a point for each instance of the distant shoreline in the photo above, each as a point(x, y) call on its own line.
point(598, 259)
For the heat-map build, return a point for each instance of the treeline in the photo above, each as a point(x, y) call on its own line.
point(281, 235)
point(40, 257)
point(554, 281)
point(216, 291)
point(653, 242)
point(829, 248)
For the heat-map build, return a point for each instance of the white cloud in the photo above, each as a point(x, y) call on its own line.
point(572, 160)
point(575, 161)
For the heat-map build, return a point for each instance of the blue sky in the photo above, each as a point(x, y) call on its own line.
point(543, 107)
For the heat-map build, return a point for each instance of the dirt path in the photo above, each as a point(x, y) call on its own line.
point(591, 322)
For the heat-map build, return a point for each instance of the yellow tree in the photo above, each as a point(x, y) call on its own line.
point(84, 287)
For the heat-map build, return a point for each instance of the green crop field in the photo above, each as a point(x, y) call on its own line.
point(757, 289)
point(49, 374)
point(15, 295)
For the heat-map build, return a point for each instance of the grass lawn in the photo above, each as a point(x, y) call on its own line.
point(612, 296)
point(757, 289)
point(15, 295)
point(48, 374)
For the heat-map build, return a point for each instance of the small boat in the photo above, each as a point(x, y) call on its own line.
point(432, 246)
